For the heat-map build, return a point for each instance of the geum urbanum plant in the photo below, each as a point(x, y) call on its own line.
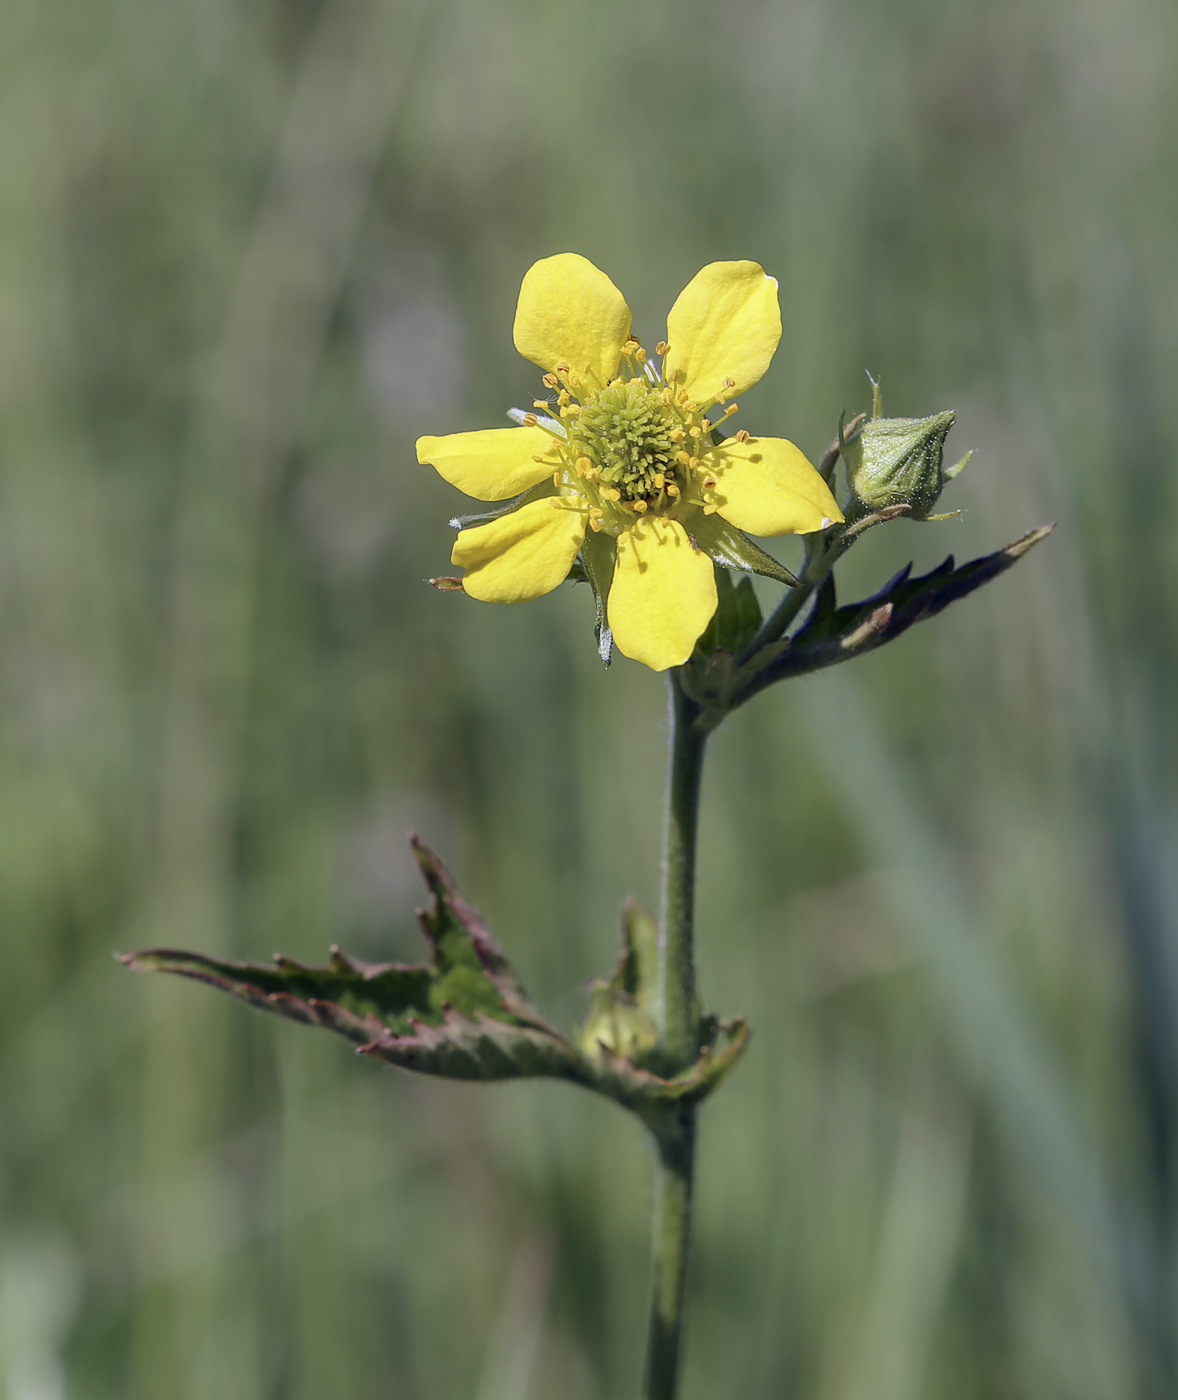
point(619, 477)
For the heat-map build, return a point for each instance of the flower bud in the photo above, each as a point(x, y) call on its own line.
point(900, 461)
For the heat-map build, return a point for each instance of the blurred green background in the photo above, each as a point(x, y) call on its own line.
point(249, 249)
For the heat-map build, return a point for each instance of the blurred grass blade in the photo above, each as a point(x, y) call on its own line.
point(996, 1039)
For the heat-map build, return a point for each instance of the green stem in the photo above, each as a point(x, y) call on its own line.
point(678, 1022)
point(672, 1240)
point(676, 1011)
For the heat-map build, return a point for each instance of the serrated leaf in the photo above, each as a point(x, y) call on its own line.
point(737, 617)
point(832, 634)
point(732, 549)
point(465, 1014)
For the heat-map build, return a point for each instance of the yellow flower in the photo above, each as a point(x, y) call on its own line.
point(619, 463)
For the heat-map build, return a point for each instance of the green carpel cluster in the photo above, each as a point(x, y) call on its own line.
point(626, 429)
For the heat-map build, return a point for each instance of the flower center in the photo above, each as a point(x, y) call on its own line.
point(627, 430)
point(639, 443)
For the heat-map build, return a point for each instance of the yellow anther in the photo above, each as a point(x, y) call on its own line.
point(730, 384)
point(731, 409)
point(530, 420)
point(540, 459)
point(683, 397)
point(639, 506)
point(587, 367)
point(596, 513)
point(556, 478)
point(611, 493)
point(706, 424)
point(676, 376)
point(541, 403)
point(640, 355)
point(742, 435)
point(709, 483)
point(632, 346)
point(564, 397)
point(659, 481)
point(672, 489)
point(550, 381)
point(594, 523)
point(584, 466)
point(668, 397)
point(662, 348)
point(562, 368)
point(573, 409)
point(677, 435)
point(695, 430)
point(575, 381)
point(711, 510)
point(683, 458)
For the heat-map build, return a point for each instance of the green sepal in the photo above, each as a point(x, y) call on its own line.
point(539, 492)
point(597, 559)
point(732, 549)
point(736, 620)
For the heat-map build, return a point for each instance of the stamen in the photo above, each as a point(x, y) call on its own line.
point(530, 420)
point(742, 435)
point(730, 383)
point(683, 458)
point(639, 505)
point(541, 403)
point(662, 348)
point(594, 523)
point(550, 381)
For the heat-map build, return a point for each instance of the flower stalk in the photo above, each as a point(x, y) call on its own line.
point(677, 1016)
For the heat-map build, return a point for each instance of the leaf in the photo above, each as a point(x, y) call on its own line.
point(732, 549)
point(465, 1014)
point(832, 634)
point(650, 1096)
point(737, 617)
point(621, 1023)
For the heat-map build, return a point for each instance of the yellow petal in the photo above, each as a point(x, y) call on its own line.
point(491, 464)
point(521, 555)
point(767, 487)
point(725, 325)
point(570, 313)
point(663, 593)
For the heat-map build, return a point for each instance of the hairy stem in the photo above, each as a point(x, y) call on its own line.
point(678, 1022)
point(672, 1239)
